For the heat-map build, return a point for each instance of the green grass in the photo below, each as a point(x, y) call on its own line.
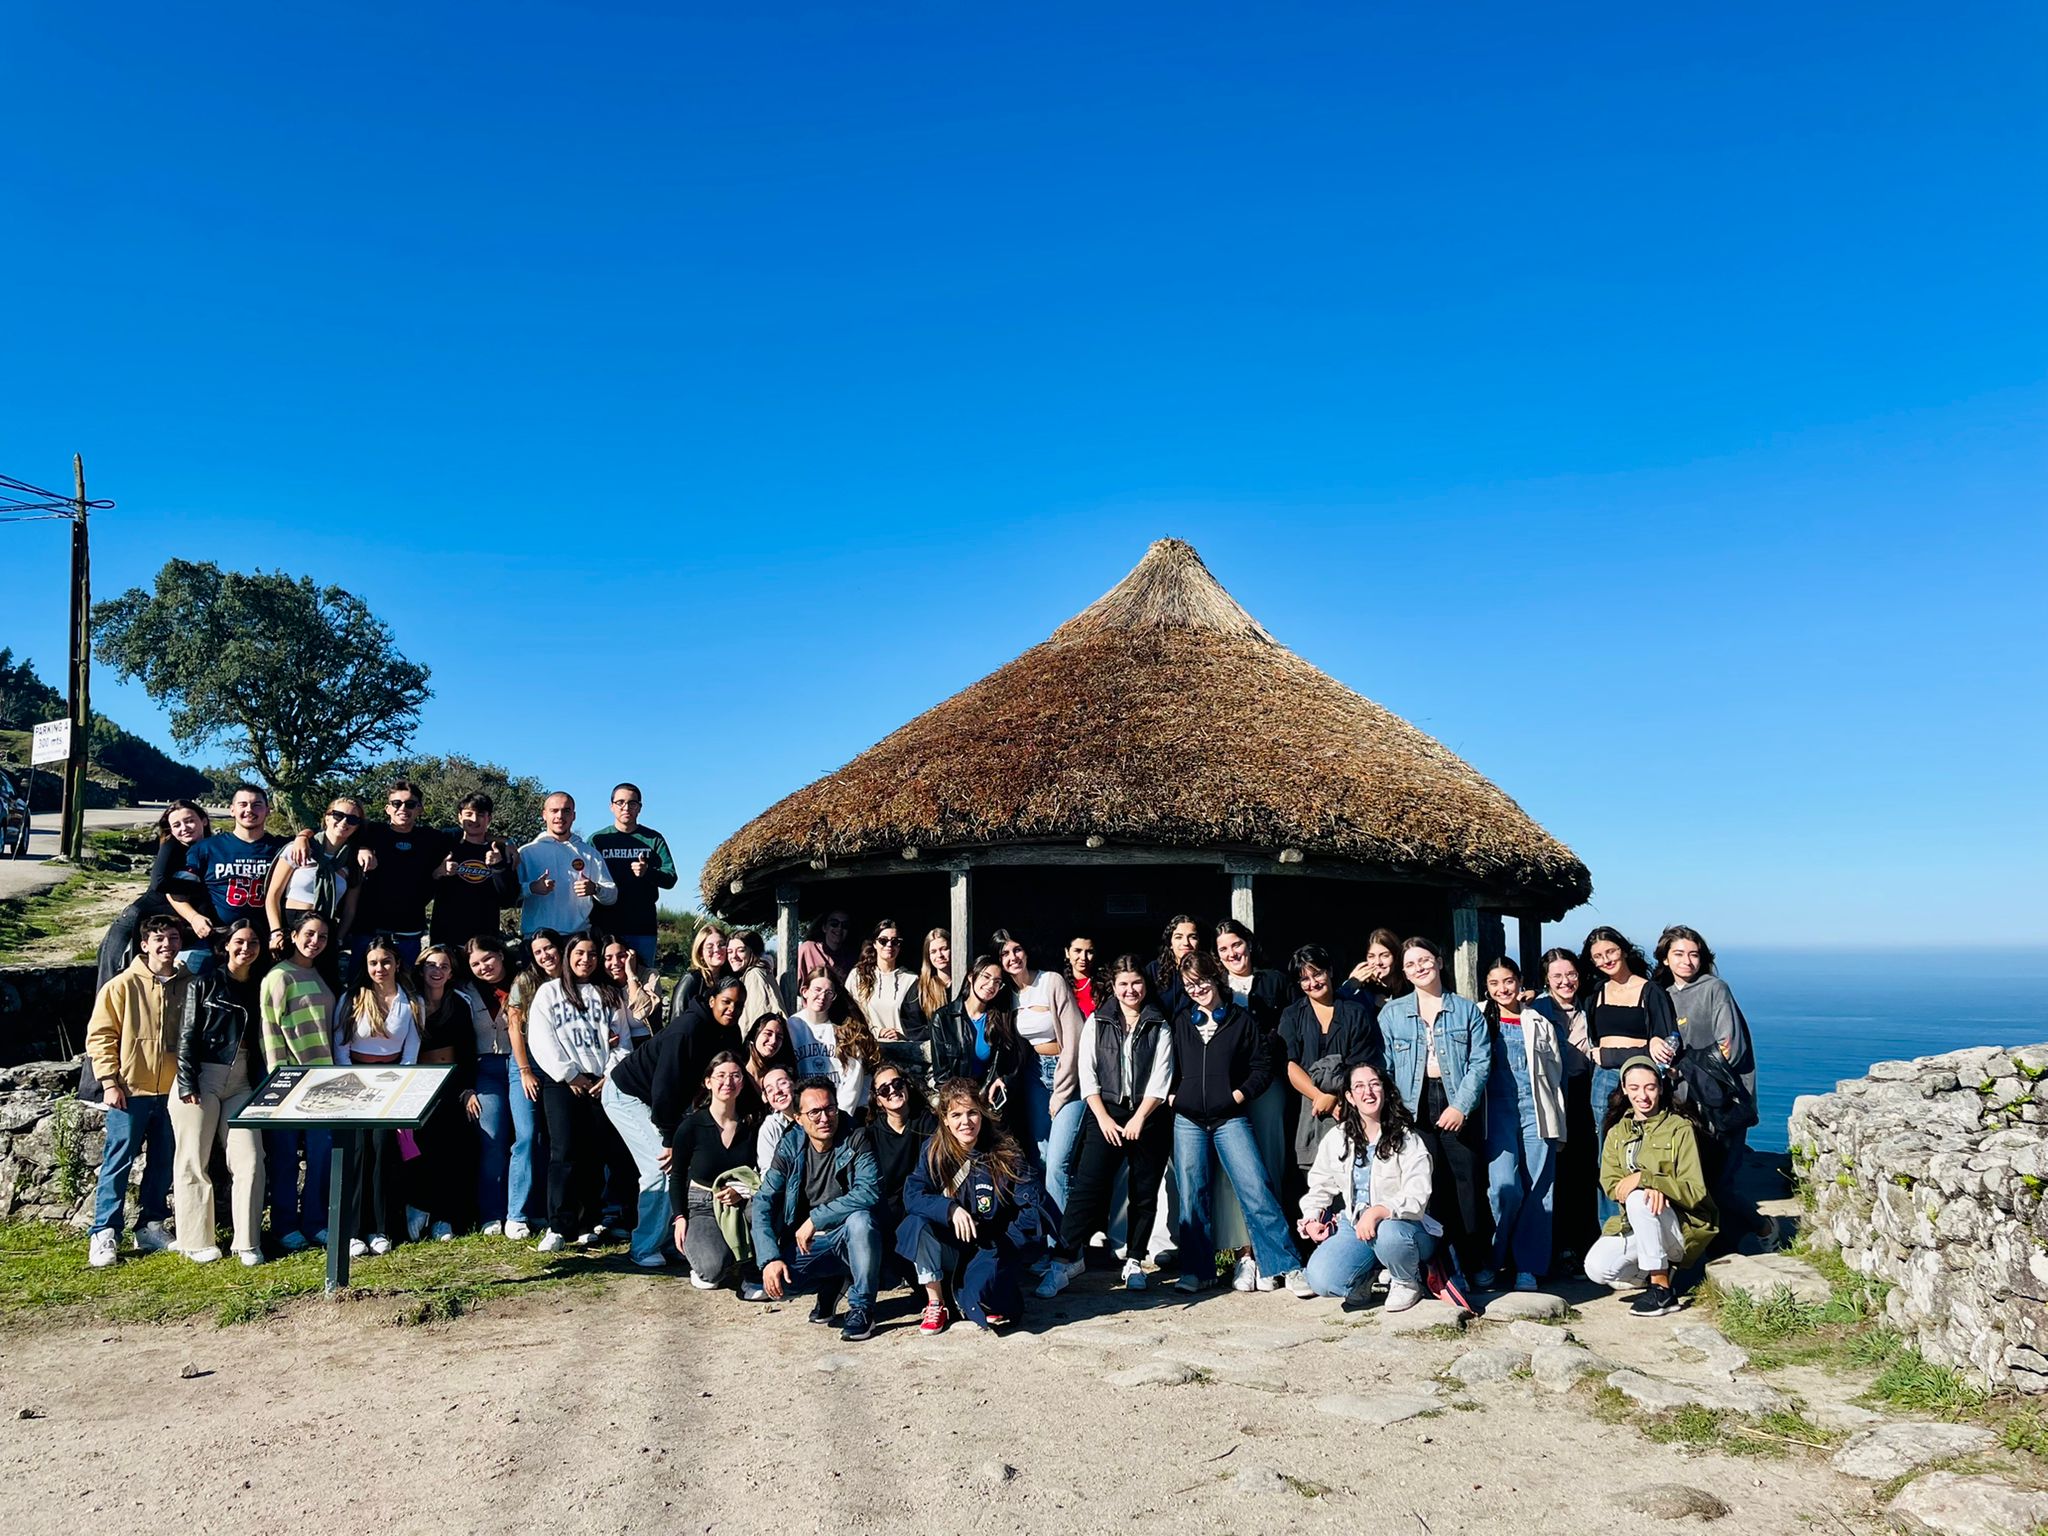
point(44, 1275)
point(1773, 1435)
point(1914, 1384)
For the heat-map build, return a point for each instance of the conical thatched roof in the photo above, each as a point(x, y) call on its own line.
point(1165, 716)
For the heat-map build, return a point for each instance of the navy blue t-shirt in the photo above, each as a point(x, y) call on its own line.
point(236, 873)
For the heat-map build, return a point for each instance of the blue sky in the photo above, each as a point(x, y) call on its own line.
point(1649, 406)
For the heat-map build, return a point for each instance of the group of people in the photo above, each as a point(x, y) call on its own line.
point(971, 1132)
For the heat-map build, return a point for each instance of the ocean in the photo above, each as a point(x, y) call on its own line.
point(1820, 1016)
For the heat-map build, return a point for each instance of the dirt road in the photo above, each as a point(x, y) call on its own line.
point(42, 870)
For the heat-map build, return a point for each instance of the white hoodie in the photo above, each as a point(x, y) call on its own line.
point(566, 1043)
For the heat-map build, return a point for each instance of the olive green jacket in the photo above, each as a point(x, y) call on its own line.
point(1668, 1157)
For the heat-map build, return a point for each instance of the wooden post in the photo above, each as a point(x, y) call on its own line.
point(1493, 939)
point(1532, 950)
point(787, 937)
point(960, 893)
point(1241, 900)
point(71, 824)
point(1465, 946)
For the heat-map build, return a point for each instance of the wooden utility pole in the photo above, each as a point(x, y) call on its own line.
point(72, 823)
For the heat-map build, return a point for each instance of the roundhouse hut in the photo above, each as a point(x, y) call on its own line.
point(1160, 754)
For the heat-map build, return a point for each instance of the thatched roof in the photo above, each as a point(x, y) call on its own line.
point(1164, 715)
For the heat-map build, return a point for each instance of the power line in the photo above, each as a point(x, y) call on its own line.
point(22, 502)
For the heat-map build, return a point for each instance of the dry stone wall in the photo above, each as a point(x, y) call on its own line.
point(1929, 1174)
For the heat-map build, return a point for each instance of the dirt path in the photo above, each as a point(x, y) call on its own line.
point(654, 1407)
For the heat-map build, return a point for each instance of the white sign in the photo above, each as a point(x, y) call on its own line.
point(53, 742)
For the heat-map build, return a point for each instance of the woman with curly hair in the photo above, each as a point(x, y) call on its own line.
point(971, 1214)
point(1368, 1198)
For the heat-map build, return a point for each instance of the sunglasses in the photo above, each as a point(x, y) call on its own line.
point(346, 818)
point(403, 805)
point(895, 1088)
point(887, 943)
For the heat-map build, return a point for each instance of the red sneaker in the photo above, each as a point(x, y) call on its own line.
point(997, 1319)
point(935, 1318)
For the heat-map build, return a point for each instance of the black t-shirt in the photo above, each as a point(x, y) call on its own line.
point(896, 1155)
point(701, 1156)
point(395, 896)
point(468, 902)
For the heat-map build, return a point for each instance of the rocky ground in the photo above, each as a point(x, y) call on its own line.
point(653, 1406)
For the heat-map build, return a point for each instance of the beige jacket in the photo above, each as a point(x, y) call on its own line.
point(133, 1036)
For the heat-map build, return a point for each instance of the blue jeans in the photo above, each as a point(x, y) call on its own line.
point(851, 1248)
point(1237, 1149)
point(1605, 1081)
point(642, 944)
point(289, 1211)
point(634, 1122)
point(144, 1129)
point(1064, 1137)
point(504, 1120)
point(1343, 1259)
point(1521, 1168)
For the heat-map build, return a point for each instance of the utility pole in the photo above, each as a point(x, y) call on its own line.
point(72, 823)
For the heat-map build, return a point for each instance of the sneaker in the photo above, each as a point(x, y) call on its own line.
point(1401, 1296)
point(379, 1244)
point(250, 1257)
point(697, 1281)
point(1134, 1277)
point(1654, 1302)
point(358, 1249)
point(1525, 1281)
point(1247, 1277)
point(753, 1290)
point(494, 1229)
point(997, 1319)
point(857, 1326)
point(518, 1231)
point(935, 1318)
point(292, 1242)
point(104, 1248)
point(320, 1238)
point(1483, 1281)
point(204, 1255)
point(1191, 1284)
point(152, 1237)
point(1274, 1282)
point(587, 1238)
point(441, 1232)
point(1058, 1276)
point(552, 1243)
point(826, 1308)
point(415, 1222)
point(1297, 1285)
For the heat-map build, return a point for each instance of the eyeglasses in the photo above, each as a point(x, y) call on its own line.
point(346, 818)
point(818, 1114)
point(895, 1088)
point(403, 805)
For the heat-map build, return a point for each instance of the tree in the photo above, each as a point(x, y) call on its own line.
point(443, 782)
point(301, 681)
point(25, 698)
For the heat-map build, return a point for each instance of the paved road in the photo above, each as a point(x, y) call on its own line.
point(42, 869)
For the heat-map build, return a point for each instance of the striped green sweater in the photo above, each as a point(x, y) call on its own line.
point(298, 1010)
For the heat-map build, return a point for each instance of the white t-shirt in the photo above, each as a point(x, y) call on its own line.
point(1036, 1022)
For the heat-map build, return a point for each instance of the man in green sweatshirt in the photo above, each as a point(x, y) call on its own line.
point(642, 866)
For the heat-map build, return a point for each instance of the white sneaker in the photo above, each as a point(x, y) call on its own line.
point(1525, 1281)
point(358, 1249)
point(443, 1233)
point(752, 1290)
point(552, 1243)
point(518, 1231)
point(204, 1255)
point(1134, 1276)
point(104, 1248)
point(250, 1257)
point(1401, 1297)
point(1297, 1285)
point(1247, 1277)
point(415, 1222)
point(1059, 1274)
point(292, 1242)
point(494, 1229)
point(699, 1283)
point(379, 1244)
point(1274, 1282)
point(153, 1237)
point(588, 1238)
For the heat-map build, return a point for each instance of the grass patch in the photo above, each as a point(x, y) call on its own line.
point(28, 921)
point(1303, 1486)
point(1914, 1384)
point(43, 1272)
point(1611, 1405)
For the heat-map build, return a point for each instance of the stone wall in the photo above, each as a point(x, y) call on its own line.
point(49, 1144)
point(1929, 1174)
point(43, 1010)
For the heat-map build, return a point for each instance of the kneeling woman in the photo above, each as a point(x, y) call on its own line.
point(711, 1177)
point(971, 1214)
point(1368, 1197)
point(1650, 1167)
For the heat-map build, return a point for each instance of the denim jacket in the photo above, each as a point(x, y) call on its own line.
point(1463, 1050)
point(774, 1205)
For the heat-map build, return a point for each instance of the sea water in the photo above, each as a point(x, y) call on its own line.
point(1820, 1016)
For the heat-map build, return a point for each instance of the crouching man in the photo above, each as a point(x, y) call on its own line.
point(813, 1217)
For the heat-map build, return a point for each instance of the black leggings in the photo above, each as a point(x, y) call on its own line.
point(576, 1157)
point(1459, 1197)
point(1093, 1179)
